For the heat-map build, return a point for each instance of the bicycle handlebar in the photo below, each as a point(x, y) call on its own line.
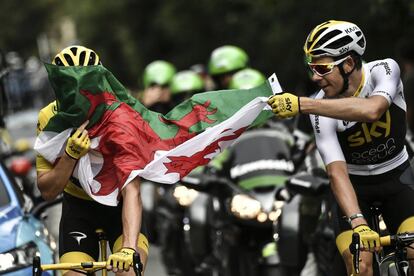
point(386, 240)
point(87, 266)
point(38, 268)
point(398, 240)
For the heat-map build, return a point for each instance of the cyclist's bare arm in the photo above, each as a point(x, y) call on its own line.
point(385, 80)
point(348, 109)
point(51, 183)
point(131, 213)
point(344, 191)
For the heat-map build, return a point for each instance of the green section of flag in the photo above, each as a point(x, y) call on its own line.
point(73, 106)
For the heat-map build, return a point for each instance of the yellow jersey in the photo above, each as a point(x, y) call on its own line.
point(45, 114)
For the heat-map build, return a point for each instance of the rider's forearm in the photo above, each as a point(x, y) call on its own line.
point(344, 191)
point(131, 213)
point(52, 183)
point(348, 109)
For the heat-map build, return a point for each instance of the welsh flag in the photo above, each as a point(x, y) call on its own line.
point(128, 140)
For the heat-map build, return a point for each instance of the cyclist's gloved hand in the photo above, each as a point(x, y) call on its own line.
point(369, 238)
point(78, 144)
point(121, 260)
point(284, 105)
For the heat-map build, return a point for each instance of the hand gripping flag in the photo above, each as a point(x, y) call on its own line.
point(128, 140)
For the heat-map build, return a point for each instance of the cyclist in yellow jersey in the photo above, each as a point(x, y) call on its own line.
point(359, 122)
point(81, 216)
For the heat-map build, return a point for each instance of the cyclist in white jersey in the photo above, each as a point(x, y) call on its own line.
point(359, 122)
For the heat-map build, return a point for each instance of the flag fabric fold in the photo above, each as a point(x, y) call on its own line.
point(128, 140)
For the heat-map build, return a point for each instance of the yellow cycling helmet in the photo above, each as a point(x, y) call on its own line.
point(334, 38)
point(76, 55)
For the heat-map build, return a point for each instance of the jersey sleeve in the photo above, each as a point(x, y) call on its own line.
point(326, 139)
point(43, 118)
point(386, 79)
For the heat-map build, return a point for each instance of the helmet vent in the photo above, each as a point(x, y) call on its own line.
point(68, 59)
point(315, 37)
point(361, 42)
point(74, 50)
point(58, 61)
point(358, 33)
point(82, 58)
point(328, 36)
point(92, 58)
point(340, 42)
point(318, 52)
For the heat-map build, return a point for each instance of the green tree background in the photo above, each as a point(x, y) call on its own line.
point(128, 34)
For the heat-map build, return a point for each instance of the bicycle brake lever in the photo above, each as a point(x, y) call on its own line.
point(136, 263)
point(37, 268)
point(354, 247)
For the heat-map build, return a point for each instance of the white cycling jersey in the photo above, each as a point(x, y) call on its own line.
point(368, 148)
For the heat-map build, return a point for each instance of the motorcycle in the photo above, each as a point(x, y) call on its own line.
point(231, 226)
point(312, 228)
point(171, 222)
point(241, 231)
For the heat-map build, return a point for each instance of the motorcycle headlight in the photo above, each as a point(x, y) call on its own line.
point(245, 207)
point(19, 257)
point(184, 195)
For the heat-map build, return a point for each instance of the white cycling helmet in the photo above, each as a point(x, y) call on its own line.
point(334, 38)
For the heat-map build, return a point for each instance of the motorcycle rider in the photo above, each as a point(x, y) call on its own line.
point(184, 84)
point(246, 79)
point(224, 61)
point(157, 77)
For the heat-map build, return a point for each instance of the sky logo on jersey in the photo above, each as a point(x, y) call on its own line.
point(371, 131)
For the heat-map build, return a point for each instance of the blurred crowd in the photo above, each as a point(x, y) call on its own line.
point(24, 83)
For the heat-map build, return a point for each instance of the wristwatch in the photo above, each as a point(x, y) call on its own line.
point(354, 216)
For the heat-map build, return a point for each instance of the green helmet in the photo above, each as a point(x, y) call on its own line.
point(226, 59)
point(186, 81)
point(246, 79)
point(158, 72)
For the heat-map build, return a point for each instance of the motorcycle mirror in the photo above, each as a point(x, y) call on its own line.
point(307, 184)
point(319, 172)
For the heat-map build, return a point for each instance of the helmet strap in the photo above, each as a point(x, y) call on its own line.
point(345, 77)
